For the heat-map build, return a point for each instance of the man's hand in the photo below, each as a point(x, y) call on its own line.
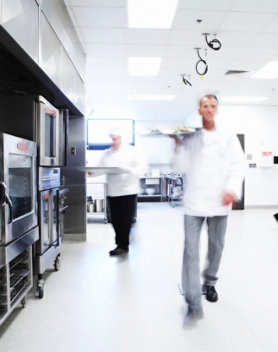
point(228, 198)
point(177, 140)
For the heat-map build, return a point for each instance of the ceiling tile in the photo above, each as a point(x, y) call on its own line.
point(176, 66)
point(105, 61)
point(100, 17)
point(100, 3)
point(93, 71)
point(186, 37)
point(272, 26)
point(235, 39)
point(145, 50)
point(102, 35)
point(246, 22)
point(225, 53)
point(180, 51)
point(246, 29)
point(105, 49)
point(147, 36)
point(187, 19)
point(255, 6)
point(264, 40)
point(267, 54)
point(249, 63)
point(206, 5)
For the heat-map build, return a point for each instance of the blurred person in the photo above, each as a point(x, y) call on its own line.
point(213, 163)
point(123, 188)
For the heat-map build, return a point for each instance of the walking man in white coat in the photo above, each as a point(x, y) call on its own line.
point(213, 163)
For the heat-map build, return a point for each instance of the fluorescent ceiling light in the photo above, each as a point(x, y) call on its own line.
point(151, 97)
point(144, 66)
point(151, 13)
point(268, 71)
point(242, 99)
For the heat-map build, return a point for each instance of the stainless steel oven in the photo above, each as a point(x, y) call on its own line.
point(18, 220)
point(18, 213)
point(34, 118)
point(48, 133)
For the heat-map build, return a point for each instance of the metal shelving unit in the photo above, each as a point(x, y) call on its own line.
point(16, 279)
point(151, 187)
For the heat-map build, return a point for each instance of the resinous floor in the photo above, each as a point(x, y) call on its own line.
point(97, 303)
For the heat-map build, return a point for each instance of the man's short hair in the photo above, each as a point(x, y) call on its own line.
point(208, 96)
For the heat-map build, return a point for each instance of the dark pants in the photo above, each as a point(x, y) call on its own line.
point(122, 211)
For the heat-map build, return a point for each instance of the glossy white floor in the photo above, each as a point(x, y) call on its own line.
point(98, 303)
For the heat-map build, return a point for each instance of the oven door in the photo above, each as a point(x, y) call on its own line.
point(55, 217)
point(47, 133)
point(48, 202)
point(62, 206)
point(19, 211)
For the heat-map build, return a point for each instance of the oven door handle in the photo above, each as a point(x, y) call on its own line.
point(4, 198)
point(10, 204)
point(62, 210)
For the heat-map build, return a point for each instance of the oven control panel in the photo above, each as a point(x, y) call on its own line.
point(48, 177)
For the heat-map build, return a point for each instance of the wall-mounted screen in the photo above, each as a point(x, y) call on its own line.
point(98, 131)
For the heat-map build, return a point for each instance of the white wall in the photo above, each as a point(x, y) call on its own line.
point(259, 124)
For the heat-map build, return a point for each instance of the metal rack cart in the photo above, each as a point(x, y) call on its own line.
point(175, 189)
point(97, 199)
point(151, 187)
point(16, 273)
point(16, 281)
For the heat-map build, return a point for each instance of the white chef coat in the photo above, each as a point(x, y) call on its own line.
point(213, 162)
point(127, 157)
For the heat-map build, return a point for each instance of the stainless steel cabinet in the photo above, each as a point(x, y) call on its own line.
point(55, 62)
point(50, 47)
point(20, 18)
point(50, 57)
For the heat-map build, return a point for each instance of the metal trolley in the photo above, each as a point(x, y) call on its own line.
point(16, 272)
point(175, 189)
point(97, 199)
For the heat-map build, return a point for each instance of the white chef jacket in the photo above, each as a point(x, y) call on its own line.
point(213, 162)
point(128, 158)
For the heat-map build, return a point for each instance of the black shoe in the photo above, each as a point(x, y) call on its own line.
point(210, 292)
point(118, 251)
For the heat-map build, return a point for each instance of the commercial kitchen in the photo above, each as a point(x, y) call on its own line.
point(68, 75)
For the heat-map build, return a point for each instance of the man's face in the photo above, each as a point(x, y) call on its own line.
point(208, 109)
point(116, 141)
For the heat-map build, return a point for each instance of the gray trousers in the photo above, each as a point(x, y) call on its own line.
point(191, 258)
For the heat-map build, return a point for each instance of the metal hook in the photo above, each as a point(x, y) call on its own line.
point(186, 81)
point(201, 61)
point(214, 44)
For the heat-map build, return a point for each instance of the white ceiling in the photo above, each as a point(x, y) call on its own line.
point(247, 29)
